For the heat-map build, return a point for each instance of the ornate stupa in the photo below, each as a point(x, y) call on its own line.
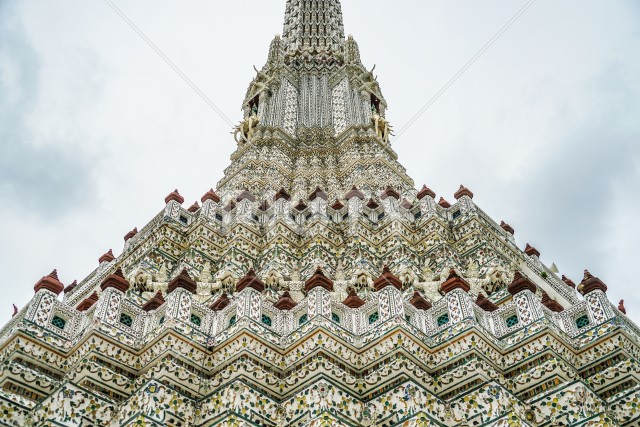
point(316, 286)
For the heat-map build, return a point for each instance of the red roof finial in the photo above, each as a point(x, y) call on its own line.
point(590, 284)
point(521, 283)
point(353, 300)
point(264, 206)
point(318, 280)
point(221, 303)
point(463, 191)
point(50, 283)
point(184, 281)
point(318, 193)
point(454, 282)
point(131, 234)
point(107, 257)
point(568, 281)
point(245, 194)
point(174, 196)
point(354, 192)
point(250, 280)
point(285, 302)
point(506, 227)
point(154, 302)
point(71, 287)
point(419, 302)
point(337, 205)
point(194, 208)
point(621, 307)
point(387, 279)
point(390, 192)
point(485, 303)
point(116, 281)
point(531, 251)
point(210, 195)
point(88, 302)
point(551, 304)
point(371, 204)
point(442, 202)
point(426, 191)
point(282, 194)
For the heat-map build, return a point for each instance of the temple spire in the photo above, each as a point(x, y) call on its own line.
point(313, 26)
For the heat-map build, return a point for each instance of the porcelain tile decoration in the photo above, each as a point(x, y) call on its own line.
point(315, 286)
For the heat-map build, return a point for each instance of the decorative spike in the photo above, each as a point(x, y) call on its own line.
point(313, 28)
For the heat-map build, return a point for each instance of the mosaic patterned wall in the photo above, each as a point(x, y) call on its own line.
point(317, 287)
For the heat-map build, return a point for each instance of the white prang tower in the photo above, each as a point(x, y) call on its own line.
point(317, 287)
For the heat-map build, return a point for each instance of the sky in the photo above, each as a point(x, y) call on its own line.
point(96, 129)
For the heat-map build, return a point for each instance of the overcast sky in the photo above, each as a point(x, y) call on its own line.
point(95, 129)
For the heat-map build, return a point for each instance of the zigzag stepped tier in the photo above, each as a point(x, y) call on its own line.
point(317, 287)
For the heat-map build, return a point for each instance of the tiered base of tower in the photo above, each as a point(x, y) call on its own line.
point(462, 328)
